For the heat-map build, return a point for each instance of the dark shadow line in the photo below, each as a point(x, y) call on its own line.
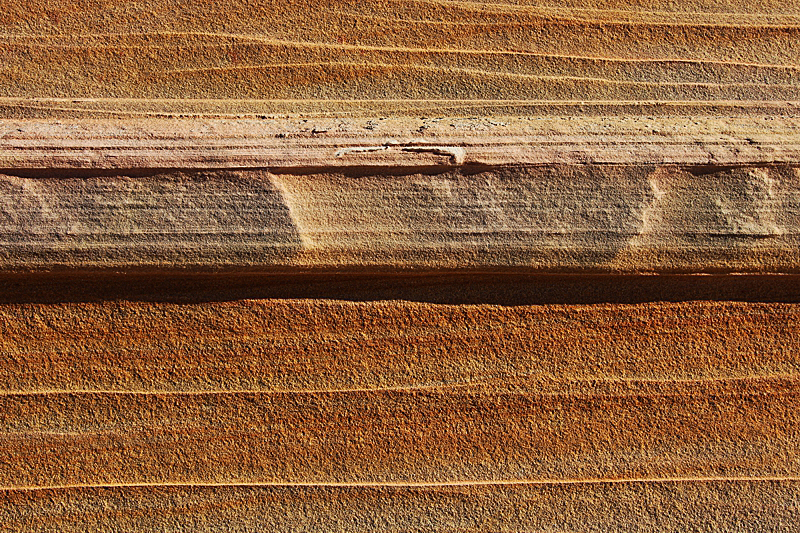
point(506, 289)
point(360, 171)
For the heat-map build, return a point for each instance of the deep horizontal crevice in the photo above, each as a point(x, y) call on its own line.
point(704, 170)
point(433, 287)
point(351, 171)
point(141, 172)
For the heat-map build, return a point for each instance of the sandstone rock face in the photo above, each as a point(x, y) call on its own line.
point(437, 57)
point(547, 196)
point(399, 266)
point(554, 218)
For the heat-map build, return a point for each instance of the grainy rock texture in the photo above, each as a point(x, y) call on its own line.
point(648, 506)
point(397, 57)
point(400, 265)
point(318, 345)
point(554, 218)
point(321, 414)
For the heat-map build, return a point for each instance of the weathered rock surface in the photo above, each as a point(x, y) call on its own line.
point(522, 195)
point(554, 218)
point(422, 265)
point(319, 345)
point(700, 505)
point(399, 57)
point(316, 414)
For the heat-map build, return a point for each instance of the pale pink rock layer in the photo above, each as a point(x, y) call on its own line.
point(601, 195)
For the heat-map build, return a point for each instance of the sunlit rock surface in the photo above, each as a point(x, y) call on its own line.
point(399, 266)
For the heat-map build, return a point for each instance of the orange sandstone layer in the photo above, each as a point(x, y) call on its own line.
point(707, 506)
point(399, 57)
point(610, 430)
point(317, 345)
point(312, 392)
point(316, 414)
point(211, 397)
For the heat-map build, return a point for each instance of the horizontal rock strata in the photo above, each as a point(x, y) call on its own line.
point(731, 429)
point(402, 57)
point(309, 414)
point(700, 505)
point(400, 324)
point(422, 265)
point(318, 345)
point(399, 265)
point(555, 218)
point(550, 195)
point(391, 145)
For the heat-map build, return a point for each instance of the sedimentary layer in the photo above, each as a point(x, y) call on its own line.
point(398, 57)
point(608, 431)
point(311, 392)
point(322, 414)
point(711, 506)
point(555, 218)
point(394, 145)
point(405, 265)
point(318, 345)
